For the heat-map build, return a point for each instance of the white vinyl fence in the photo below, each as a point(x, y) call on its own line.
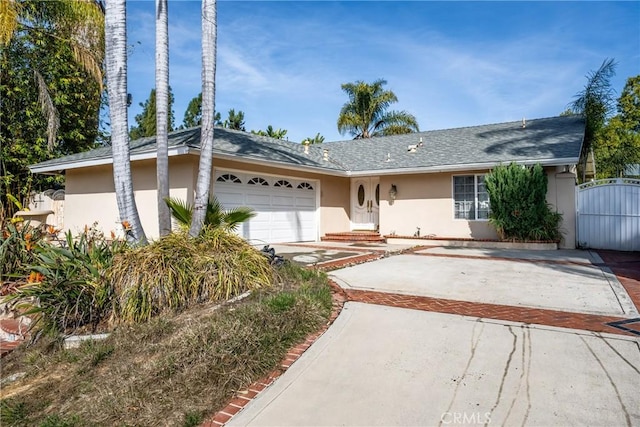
point(608, 214)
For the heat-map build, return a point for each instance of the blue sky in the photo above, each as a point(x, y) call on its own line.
point(450, 64)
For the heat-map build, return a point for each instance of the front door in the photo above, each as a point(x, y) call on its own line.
point(365, 203)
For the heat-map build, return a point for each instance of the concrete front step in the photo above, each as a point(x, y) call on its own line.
point(354, 236)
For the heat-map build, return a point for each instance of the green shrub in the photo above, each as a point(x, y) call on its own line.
point(519, 209)
point(68, 288)
point(177, 271)
point(18, 242)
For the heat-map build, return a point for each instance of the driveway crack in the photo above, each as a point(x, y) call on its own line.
point(504, 374)
point(613, 384)
point(475, 340)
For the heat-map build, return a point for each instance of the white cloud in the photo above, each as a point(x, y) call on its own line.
point(283, 63)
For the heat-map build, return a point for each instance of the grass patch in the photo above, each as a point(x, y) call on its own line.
point(175, 369)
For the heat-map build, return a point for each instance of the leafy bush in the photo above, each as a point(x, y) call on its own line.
point(177, 271)
point(70, 288)
point(18, 242)
point(519, 209)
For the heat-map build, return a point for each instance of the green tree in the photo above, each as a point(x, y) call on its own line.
point(193, 116)
point(146, 119)
point(24, 135)
point(78, 23)
point(116, 65)
point(318, 139)
point(629, 104)
point(365, 115)
point(193, 113)
point(519, 208)
point(595, 103)
point(271, 132)
point(235, 120)
point(205, 166)
point(617, 143)
point(50, 78)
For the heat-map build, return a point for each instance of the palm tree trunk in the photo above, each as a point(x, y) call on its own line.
point(162, 106)
point(116, 64)
point(209, 29)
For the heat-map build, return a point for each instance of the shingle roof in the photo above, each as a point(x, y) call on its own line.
point(226, 142)
point(552, 140)
point(549, 141)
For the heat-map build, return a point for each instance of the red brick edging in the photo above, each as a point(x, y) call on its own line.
point(529, 315)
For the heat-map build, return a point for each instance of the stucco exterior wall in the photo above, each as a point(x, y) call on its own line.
point(561, 194)
point(90, 194)
point(423, 200)
point(426, 201)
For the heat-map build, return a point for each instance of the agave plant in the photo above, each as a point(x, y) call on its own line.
point(216, 216)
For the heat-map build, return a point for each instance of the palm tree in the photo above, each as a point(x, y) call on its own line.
point(271, 132)
point(162, 113)
point(209, 29)
point(215, 217)
point(366, 115)
point(116, 64)
point(318, 139)
point(594, 103)
point(80, 23)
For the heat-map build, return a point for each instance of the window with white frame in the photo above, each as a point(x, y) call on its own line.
point(470, 197)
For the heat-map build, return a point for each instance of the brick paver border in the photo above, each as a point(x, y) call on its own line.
point(535, 316)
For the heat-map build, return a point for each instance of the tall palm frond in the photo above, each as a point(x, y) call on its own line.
point(216, 216)
point(365, 115)
point(9, 12)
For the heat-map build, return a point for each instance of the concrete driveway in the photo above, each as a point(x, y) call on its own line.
point(560, 280)
point(381, 365)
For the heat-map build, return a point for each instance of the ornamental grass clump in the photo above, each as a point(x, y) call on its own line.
point(519, 208)
point(177, 271)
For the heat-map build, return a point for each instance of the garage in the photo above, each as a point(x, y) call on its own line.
point(285, 206)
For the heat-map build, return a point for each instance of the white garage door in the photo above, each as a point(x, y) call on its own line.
point(285, 207)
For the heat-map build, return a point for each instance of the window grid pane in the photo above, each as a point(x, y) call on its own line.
point(471, 200)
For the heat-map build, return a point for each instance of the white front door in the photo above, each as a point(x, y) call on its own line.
point(365, 203)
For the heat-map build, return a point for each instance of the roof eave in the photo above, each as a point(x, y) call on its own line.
point(464, 167)
point(99, 161)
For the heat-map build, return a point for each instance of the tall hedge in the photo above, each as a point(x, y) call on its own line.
point(519, 209)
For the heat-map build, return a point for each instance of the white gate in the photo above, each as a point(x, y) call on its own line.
point(608, 214)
